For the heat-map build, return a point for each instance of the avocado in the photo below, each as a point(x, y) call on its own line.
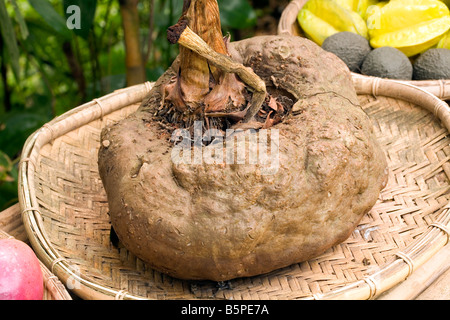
point(350, 47)
point(433, 64)
point(387, 62)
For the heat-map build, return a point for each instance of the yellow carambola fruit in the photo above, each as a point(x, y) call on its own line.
point(348, 4)
point(412, 26)
point(447, 2)
point(363, 5)
point(358, 6)
point(320, 19)
point(445, 41)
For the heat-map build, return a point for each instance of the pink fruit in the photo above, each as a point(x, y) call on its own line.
point(20, 272)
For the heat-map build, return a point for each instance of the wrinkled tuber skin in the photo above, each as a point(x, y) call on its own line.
point(220, 222)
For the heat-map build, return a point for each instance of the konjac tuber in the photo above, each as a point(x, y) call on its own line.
point(200, 211)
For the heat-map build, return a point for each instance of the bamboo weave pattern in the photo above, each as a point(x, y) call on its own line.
point(75, 214)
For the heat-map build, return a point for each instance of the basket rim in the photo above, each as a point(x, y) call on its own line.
point(389, 275)
point(51, 283)
point(439, 88)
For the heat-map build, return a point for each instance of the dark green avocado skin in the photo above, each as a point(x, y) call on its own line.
point(350, 47)
point(387, 62)
point(433, 64)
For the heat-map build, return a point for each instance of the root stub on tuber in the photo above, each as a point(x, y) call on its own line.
point(219, 220)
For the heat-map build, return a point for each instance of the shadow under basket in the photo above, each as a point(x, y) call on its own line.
point(53, 288)
point(288, 25)
point(65, 209)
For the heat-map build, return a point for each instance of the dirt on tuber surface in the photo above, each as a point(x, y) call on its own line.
point(226, 220)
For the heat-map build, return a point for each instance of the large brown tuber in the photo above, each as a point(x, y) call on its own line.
point(219, 221)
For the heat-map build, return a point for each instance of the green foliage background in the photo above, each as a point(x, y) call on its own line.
point(47, 69)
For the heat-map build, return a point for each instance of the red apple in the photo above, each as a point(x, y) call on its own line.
point(20, 272)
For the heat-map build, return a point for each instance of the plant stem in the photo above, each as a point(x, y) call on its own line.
point(96, 68)
point(4, 74)
point(134, 60)
point(76, 69)
point(192, 41)
point(150, 31)
point(206, 83)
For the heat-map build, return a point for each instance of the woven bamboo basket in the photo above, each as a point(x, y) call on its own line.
point(288, 25)
point(65, 210)
point(53, 288)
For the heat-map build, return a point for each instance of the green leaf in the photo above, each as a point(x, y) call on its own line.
point(5, 167)
point(236, 14)
point(16, 128)
point(53, 19)
point(8, 189)
point(9, 38)
point(20, 20)
point(84, 12)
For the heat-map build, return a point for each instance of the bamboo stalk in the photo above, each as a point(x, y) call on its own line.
point(134, 60)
